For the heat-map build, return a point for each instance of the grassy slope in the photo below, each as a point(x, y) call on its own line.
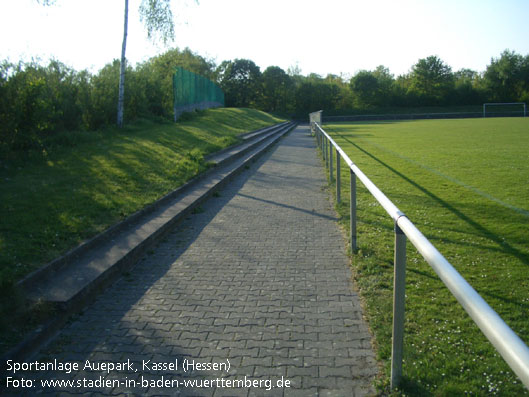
point(465, 184)
point(52, 201)
point(84, 182)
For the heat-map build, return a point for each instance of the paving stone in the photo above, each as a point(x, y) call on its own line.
point(260, 278)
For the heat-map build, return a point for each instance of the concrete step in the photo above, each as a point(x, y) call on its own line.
point(73, 280)
point(249, 140)
point(81, 267)
point(251, 134)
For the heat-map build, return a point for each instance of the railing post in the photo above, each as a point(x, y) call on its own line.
point(326, 152)
point(399, 288)
point(325, 156)
point(338, 181)
point(330, 161)
point(352, 214)
point(322, 144)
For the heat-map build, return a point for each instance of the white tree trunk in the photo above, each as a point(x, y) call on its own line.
point(121, 98)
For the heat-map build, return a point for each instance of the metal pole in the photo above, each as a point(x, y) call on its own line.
point(330, 161)
point(325, 156)
point(338, 182)
point(323, 145)
point(352, 214)
point(399, 289)
point(327, 143)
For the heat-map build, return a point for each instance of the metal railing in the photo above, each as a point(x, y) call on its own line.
point(507, 343)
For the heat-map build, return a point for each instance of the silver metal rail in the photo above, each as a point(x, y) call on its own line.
point(507, 343)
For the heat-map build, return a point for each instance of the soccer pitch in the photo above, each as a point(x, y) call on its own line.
point(465, 185)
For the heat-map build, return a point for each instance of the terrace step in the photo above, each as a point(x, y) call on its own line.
point(74, 279)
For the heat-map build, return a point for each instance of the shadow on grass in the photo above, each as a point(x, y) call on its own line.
point(483, 231)
point(112, 329)
point(87, 181)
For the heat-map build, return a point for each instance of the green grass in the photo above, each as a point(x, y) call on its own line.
point(465, 184)
point(80, 183)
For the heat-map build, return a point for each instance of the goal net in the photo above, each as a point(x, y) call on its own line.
point(504, 109)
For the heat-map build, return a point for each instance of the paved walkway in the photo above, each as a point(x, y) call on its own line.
point(255, 286)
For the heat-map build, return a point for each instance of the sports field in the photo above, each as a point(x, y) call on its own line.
point(465, 185)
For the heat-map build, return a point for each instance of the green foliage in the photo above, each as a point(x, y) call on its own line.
point(157, 17)
point(36, 100)
point(381, 94)
point(241, 82)
point(365, 88)
point(315, 93)
point(432, 80)
point(157, 75)
point(277, 90)
point(507, 78)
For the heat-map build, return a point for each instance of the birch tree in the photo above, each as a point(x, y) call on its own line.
point(157, 17)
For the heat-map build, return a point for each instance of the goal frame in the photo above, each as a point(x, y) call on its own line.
point(506, 104)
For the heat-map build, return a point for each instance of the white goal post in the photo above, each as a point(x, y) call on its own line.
point(504, 104)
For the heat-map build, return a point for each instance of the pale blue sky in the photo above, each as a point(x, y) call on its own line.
point(331, 36)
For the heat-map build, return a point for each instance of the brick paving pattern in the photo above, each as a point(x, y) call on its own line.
point(257, 276)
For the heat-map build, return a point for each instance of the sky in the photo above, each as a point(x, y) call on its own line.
point(338, 37)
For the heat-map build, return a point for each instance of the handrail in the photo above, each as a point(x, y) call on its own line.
point(504, 339)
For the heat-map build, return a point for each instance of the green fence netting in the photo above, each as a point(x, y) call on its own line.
point(192, 91)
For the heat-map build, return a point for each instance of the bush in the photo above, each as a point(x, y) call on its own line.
point(37, 101)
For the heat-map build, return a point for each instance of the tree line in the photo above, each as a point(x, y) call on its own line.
point(38, 100)
point(430, 82)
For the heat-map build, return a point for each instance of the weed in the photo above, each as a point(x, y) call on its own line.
point(197, 210)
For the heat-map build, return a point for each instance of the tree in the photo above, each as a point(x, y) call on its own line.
point(277, 90)
point(157, 76)
point(121, 92)
point(507, 77)
point(241, 82)
point(466, 88)
point(342, 97)
point(385, 85)
point(314, 94)
point(372, 88)
point(158, 19)
point(364, 86)
point(432, 80)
